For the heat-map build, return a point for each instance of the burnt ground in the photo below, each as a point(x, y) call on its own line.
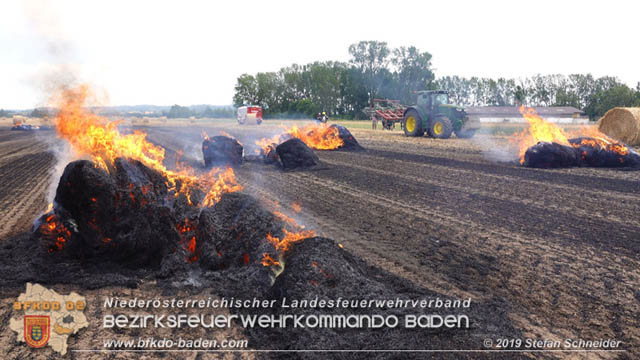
point(556, 251)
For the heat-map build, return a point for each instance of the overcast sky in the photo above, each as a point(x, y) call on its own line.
point(154, 52)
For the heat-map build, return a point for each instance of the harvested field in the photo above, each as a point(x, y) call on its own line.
point(556, 250)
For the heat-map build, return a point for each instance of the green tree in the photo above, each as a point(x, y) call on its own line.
point(413, 71)
point(370, 57)
point(246, 90)
point(613, 96)
point(353, 93)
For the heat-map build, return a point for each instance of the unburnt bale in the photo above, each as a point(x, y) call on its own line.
point(221, 150)
point(295, 154)
point(350, 142)
point(623, 124)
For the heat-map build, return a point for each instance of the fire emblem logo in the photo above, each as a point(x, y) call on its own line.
point(42, 317)
point(36, 330)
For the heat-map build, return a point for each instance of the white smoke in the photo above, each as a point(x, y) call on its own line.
point(57, 71)
point(494, 145)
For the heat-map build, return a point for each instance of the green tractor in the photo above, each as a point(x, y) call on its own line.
point(437, 117)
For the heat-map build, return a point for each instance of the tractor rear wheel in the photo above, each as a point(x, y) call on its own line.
point(412, 123)
point(441, 128)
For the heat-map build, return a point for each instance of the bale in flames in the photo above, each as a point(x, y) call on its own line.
point(545, 145)
point(132, 219)
point(622, 124)
point(582, 151)
point(312, 136)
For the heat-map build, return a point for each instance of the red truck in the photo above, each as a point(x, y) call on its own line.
point(251, 114)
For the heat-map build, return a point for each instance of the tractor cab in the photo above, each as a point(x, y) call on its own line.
point(431, 99)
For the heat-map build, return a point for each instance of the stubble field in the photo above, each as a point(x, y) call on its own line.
point(558, 248)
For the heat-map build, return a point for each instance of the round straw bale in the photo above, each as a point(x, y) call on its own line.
point(622, 124)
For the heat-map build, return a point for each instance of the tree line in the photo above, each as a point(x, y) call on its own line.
point(177, 111)
point(374, 70)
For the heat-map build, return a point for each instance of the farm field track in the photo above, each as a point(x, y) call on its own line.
point(559, 247)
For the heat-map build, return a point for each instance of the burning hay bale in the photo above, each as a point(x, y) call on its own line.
point(546, 145)
point(316, 136)
point(622, 124)
point(221, 151)
point(123, 218)
point(295, 154)
point(582, 151)
point(299, 153)
point(601, 153)
point(132, 218)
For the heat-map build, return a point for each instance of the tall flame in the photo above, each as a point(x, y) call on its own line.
point(538, 130)
point(96, 137)
point(282, 245)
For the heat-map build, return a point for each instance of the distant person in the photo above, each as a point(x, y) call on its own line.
point(322, 117)
point(374, 123)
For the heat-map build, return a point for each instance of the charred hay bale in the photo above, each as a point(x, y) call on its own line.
point(551, 155)
point(623, 124)
point(350, 142)
point(82, 187)
point(120, 218)
point(221, 150)
point(319, 267)
point(234, 233)
point(295, 154)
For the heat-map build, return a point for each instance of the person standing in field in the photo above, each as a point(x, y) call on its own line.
point(374, 122)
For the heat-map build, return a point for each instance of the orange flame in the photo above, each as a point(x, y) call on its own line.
point(92, 135)
point(289, 239)
point(540, 130)
point(267, 260)
point(296, 207)
point(316, 136)
point(188, 241)
point(54, 228)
